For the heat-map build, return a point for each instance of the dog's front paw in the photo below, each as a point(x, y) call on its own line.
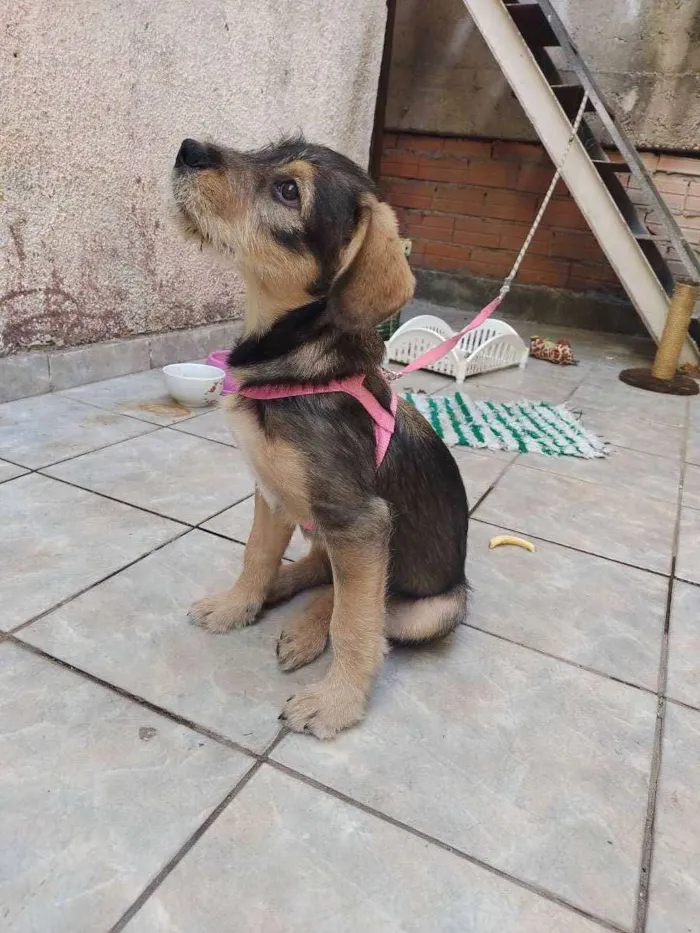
point(324, 709)
point(222, 612)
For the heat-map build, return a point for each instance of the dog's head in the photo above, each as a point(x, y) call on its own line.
point(302, 222)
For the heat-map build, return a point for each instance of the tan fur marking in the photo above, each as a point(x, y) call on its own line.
point(283, 287)
point(304, 637)
point(278, 467)
point(418, 620)
point(240, 605)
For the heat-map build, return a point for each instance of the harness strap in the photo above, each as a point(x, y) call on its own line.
point(384, 421)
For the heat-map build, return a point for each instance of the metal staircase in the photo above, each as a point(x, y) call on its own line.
point(519, 35)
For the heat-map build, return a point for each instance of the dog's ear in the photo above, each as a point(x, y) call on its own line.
point(375, 279)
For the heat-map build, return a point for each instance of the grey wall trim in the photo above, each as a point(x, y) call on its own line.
point(25, 374)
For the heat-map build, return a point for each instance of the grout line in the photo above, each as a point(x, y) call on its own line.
point(512, 462)
point(682, 703)
point(187, 527)
point(212, 440)
point(222, 536)
point(95, 583)
point(189, 844)
point(155, 883)
point(104, 495)
point(445, 846)
point(570, 547)
point(650, 821)
point(141, 508)
point(221, 512)
point(94, 450)
point(589, 482)
point(657, 757)
point(555, 657)
point(10, 478)
point(6, 459)
point(140, 701)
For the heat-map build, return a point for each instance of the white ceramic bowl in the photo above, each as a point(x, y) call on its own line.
point(193, 384)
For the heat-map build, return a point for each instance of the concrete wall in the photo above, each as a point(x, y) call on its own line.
point(95, 97)
point(645, 55)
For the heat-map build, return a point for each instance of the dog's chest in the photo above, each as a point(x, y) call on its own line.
point(277, 466)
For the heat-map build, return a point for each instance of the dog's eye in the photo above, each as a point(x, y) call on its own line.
point(288, 191)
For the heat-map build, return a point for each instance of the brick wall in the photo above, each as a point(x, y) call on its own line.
point(678, 180)
point(468, 204)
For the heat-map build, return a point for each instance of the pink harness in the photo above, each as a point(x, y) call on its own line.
point(384, 421)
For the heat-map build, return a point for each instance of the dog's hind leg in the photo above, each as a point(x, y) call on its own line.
point(312, 570)
point(412, 621)
point(304, 637)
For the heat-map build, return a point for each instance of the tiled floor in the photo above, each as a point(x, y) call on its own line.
point(537, 772)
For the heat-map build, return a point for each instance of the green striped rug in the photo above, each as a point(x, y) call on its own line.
point(523, 427)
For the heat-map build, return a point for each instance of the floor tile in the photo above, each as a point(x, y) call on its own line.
point(627, 469)
point(534, 373)
point(349, 871)
point(42, 430)
point(236, 522)
point(229, 683)
point(10, 471)
point(604, 520)
point(56, 540)
point(212, 426)
point(693, 453)
point(98, 794)
point(141, 395)
point(588, 610)
point(634, 431)
point(479, 470)
point(616, 351)
point(535, 390)
point(688, 560)
point(421, 381)
point(534, 766)
point(674, 895)
point(174, 474)
point(611, 395)
point(691, 487)
point(684, 645)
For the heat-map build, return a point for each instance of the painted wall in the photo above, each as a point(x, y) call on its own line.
point(645, 55)
point(95, 98)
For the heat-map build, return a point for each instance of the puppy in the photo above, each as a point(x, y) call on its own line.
point(322, 263)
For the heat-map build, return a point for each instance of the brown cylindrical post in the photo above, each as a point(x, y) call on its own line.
point(680, 310)
point(664, 375)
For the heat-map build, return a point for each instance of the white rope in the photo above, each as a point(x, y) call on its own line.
point(508, 281)
point(505, 288)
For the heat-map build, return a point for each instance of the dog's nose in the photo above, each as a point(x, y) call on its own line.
point(193, 154)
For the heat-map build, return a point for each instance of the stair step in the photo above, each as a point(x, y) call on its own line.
point(570, 97)
point(606, 167)
point(533, 25)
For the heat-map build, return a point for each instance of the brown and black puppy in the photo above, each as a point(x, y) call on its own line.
point(323, 265)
